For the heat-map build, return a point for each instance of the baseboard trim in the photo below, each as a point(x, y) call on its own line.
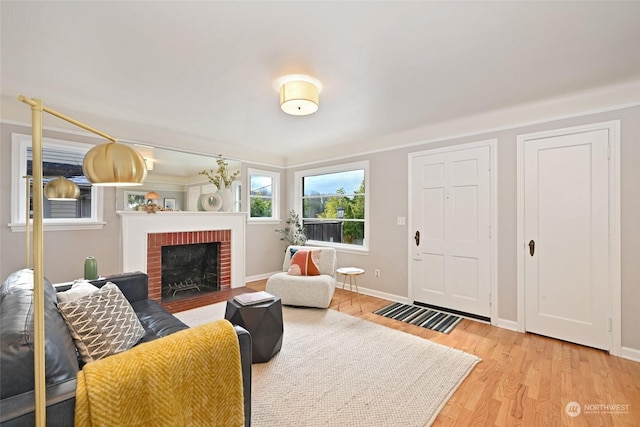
point(378, 294)
point(506, 324)
point(630, 353)
point(259, 277)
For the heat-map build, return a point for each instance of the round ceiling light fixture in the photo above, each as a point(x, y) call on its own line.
point(299, 94)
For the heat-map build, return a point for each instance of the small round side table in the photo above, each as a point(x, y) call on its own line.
point(351, 273)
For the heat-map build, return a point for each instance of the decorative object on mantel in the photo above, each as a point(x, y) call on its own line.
point(210, 202)
point(293, 233)
point(227, 199)
point(150, 208)
point(221, 177)
point(169, 204)
point(223, 180)
point(152, 196)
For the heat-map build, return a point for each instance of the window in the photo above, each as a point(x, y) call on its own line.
point(334, 205)
point(263, 195)
point(59, 158)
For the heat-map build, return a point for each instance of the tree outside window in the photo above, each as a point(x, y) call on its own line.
point(262, 194)
point(333, 206)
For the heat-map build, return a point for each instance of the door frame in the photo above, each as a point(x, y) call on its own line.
point(493, 216)
point(613, 128)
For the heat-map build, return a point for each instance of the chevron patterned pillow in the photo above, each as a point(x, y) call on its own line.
point(102, 323)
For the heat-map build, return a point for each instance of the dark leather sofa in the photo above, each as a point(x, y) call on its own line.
point(16, 351)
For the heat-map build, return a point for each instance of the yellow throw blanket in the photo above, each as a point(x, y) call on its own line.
point(190, 378)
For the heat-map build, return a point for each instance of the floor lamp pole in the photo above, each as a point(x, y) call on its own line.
point(38, 266)
point(27, 192)
point(37, 109)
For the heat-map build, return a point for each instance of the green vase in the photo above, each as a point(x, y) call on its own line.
point(90, 268)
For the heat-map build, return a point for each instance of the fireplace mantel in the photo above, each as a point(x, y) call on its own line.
point(135, 226)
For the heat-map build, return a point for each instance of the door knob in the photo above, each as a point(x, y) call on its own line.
point(532, 247)
point(417, 238)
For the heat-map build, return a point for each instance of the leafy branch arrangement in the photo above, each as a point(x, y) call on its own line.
point(293, 232)
point(221, 177)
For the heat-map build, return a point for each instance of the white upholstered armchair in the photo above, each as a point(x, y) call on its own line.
point(306, 291)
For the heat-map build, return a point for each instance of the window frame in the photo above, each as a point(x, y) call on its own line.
point(344, 167)
point(19, 144)
point(275, 196)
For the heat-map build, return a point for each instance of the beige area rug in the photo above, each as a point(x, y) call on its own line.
point(338, 370)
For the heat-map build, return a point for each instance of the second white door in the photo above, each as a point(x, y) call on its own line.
point(566, 230)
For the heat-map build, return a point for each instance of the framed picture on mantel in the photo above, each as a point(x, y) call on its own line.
point(170, 204)
point(133, 199)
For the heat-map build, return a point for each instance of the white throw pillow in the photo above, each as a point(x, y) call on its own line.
point(79, 289)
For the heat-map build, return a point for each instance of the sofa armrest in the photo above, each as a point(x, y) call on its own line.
point(19, 410)
point(244, 338)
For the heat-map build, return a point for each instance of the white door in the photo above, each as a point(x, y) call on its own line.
point(451, 210)
point(566, 227)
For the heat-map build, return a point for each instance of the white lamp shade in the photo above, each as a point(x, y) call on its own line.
point(299, 98)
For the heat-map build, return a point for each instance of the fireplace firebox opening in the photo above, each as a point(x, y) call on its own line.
point(190, 269)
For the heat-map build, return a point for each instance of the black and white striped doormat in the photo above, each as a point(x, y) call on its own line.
point(420, 316)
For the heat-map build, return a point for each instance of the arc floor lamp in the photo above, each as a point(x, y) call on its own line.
point(109, 164)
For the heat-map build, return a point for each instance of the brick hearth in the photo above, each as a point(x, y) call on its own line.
point(155, 241)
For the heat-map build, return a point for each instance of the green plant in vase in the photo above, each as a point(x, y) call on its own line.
point(293, 233)
point(221, 177)
point(223, 180)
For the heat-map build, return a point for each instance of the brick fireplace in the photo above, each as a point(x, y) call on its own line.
point(143, 236)
point(155, 242)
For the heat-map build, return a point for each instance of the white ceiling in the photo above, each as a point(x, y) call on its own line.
point(203, 71)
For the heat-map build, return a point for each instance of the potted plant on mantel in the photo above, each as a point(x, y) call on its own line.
point(222, 179)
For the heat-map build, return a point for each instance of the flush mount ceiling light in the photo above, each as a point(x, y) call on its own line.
point(299, 94)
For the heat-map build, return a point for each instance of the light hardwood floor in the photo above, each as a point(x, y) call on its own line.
point(523, 379)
